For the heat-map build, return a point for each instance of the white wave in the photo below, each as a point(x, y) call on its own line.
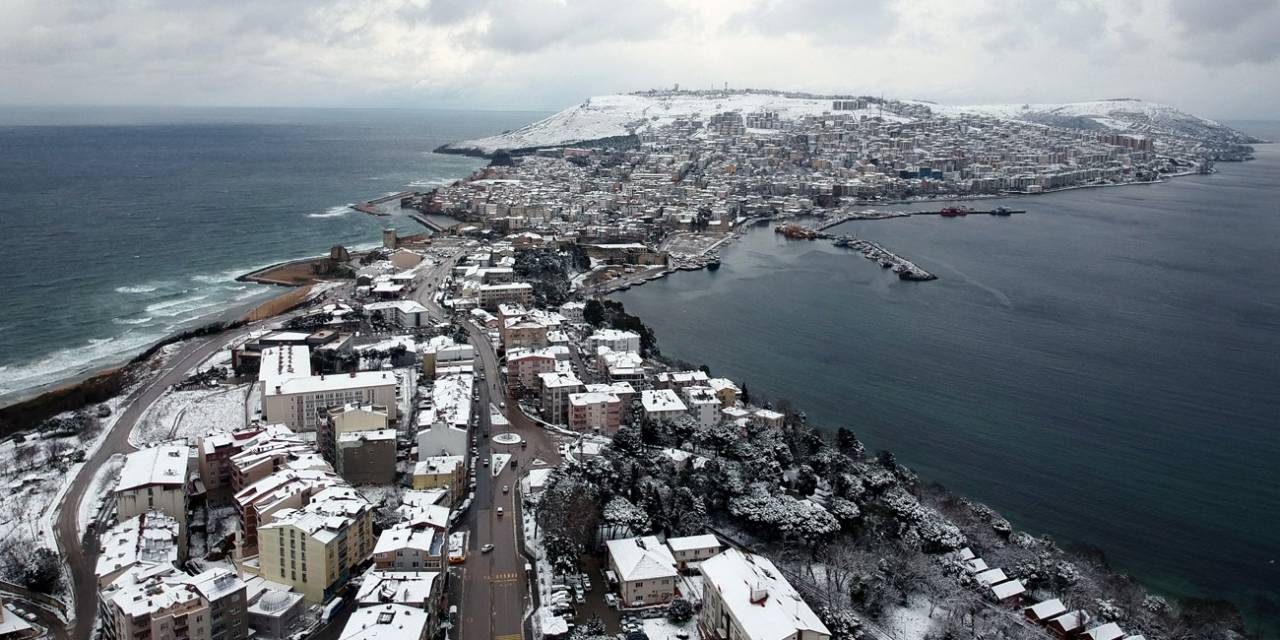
point(176, 306)
point(431, 182)
point(58, 365)
point(149, 287)
point(131, 321)
point(332, 212)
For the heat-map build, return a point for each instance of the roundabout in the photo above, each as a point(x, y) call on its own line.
point(507, 438)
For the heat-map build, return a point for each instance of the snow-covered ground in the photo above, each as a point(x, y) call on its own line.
point(627, 114)
point(499, 462)
point(910, 623)
point(104, 480)
point(186, 414)
point(624, 114)
point(664, 629)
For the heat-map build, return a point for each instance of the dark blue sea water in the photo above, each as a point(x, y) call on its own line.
point(1105, 368)
point(124, 224)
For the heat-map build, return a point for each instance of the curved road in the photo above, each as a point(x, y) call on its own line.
point(81, 554)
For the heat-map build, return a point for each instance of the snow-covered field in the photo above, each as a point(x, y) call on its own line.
point(186, 414)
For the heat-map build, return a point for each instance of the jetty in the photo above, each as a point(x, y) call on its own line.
point(871, 214)
point(906, 269)
point(374, 208)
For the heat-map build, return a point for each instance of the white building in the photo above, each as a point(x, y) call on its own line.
point(745, 597)
point(704, 405)
point(615, 340)
point(662, 404)
point(409, 314)
point(155, 479)
point(645, 569)
point(387, 622)
point(297, 402)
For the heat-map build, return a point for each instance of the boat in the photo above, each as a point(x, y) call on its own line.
point(1001, 211)
point(713, 264)
point(954, 212)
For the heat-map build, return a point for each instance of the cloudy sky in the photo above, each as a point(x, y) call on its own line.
point(1219, 58)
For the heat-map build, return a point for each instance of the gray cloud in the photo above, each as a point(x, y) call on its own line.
point(848, 22)
point(522, 26)
point(1243, 31)
point(1220, 58)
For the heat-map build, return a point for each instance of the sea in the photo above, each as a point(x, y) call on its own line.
point(125, 225)
point(1104, 369)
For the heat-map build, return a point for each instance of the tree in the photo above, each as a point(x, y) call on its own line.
point(619, 512)
point(746, 395)
point(679, 611)
point(42, 571)
point(848, 444)
point(593, 312)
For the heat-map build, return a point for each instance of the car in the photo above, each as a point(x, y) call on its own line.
point(486, 462)
point(506, 489)
point(499, 512)
point(579, 598)
point(611, 600)
point(486, 548)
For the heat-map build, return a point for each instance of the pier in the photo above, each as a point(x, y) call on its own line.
point(429, 223)
point(906, 269)
point(872, 214)
point(373, 208)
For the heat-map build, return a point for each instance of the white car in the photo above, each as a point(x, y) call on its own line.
point(486, 548)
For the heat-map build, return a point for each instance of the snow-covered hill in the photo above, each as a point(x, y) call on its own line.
point(619, 115)
point(626, 114)
point(1121, 115)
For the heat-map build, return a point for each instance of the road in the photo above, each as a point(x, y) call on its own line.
point(495, 590)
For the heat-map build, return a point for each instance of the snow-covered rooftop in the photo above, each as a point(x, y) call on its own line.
point(165, 465)
point(643, 558)
point(776, 611)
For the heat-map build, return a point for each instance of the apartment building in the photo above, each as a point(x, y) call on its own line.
point(405, 549)
point(442, 472)
point(299, 402)
point(314, 548)
point(745, 597)
point(155, 479)
point(704, 405)
point(286, 490)
point(554, 391)
point(156, 606)
point(662, 404)
point(594, 411)
point(408, 314)
point(492, 295)
point(690, 550)
point(356, 440)
point(645, 570)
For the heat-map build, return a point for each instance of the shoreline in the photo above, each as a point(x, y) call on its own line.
point(91, 383)
point(1156, 584)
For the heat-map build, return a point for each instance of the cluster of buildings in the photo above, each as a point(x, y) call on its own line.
point(705, 172)
point(740, 595)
